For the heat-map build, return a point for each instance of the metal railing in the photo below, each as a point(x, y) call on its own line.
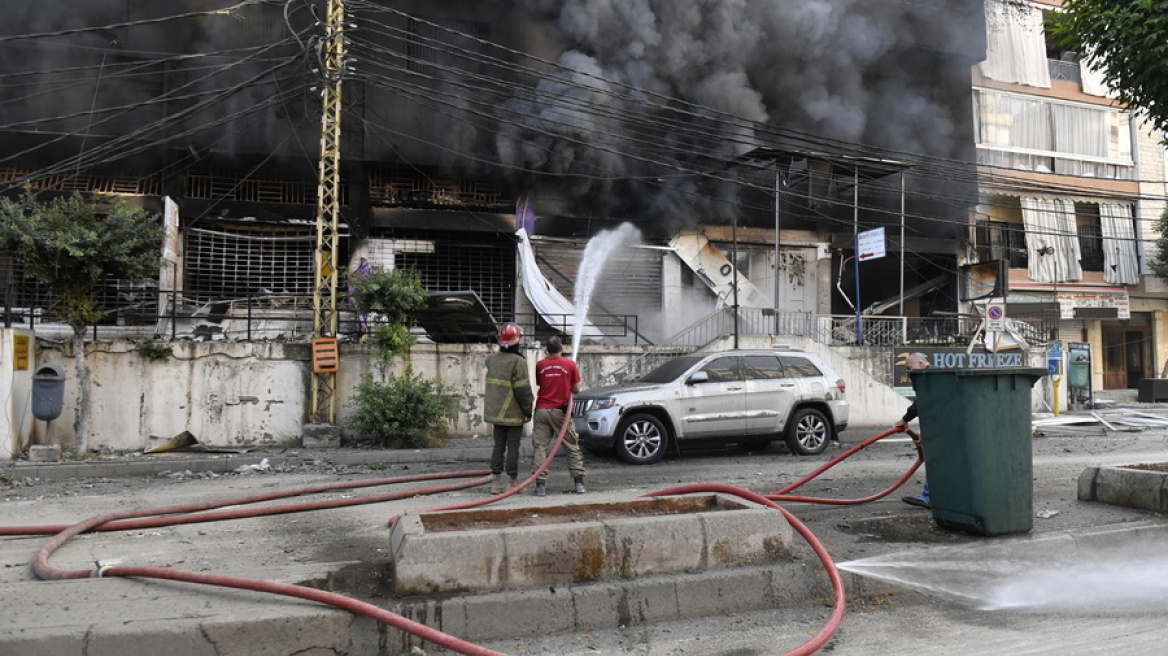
point(613, 327)
point(832, 330)
point(171, 315)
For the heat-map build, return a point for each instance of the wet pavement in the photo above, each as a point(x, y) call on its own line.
point(1084, 580)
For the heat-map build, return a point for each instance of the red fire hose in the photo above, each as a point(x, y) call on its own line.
point(781, 495)
point(200, 512)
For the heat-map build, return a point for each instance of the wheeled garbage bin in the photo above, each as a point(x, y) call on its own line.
point(976, 435)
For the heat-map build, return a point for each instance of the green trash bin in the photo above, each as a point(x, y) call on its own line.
point(975, 432)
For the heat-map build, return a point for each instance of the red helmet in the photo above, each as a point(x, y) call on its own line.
point(509, 334)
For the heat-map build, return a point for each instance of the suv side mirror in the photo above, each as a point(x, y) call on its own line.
point(698, 377)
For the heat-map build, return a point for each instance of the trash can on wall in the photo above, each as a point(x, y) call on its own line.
point(48, 392)
point(976, 435)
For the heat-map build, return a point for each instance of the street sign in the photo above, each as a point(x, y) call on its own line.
point(996, 317)
point(870, 244)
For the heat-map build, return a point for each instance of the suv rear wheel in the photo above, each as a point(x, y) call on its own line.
point(808, 432)
point(641, 439)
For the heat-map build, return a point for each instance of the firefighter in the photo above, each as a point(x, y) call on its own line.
point(508, 405)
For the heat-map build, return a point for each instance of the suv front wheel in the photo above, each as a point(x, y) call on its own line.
point(808, 432)
point(641, 440)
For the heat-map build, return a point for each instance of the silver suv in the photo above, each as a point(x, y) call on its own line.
point(746, 397)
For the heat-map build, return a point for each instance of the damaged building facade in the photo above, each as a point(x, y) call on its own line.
point(743, 146)
point(1071, 188)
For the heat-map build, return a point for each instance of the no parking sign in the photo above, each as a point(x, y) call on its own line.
point(996, 317)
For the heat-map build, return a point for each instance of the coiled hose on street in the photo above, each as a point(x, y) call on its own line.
point(206, 512)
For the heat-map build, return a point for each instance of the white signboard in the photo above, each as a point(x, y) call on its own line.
point(870, 244)
point(995, 317)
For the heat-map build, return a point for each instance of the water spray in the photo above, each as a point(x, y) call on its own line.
point(596, 254)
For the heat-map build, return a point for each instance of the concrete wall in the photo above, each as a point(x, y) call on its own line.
point(244, 393)
point(17, 357)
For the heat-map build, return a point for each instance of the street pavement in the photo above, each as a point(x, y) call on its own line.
point(1089, 578)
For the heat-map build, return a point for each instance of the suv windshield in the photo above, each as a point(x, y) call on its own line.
point(669, 371)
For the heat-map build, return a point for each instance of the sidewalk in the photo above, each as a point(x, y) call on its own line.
point(347, 549)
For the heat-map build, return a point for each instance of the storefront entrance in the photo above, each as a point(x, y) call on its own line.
point(1127, 352)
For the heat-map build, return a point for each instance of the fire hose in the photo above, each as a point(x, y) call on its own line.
point(206, 512)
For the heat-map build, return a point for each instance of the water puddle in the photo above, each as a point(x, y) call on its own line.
point(365, 580)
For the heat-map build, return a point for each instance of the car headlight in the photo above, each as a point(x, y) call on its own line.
point(586, 405)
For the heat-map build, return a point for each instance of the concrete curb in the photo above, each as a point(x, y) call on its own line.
point(1124, 486)
point(168, 618)
point(153, 465)
point(603, 605)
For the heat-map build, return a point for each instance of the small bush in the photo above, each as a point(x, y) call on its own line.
point(404, 412)
point(155, 351)
point(392, 340)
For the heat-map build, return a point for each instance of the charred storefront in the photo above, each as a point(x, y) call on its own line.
point(764, 138)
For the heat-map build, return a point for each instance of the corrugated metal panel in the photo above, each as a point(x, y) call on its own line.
point(1070, 331)
point(630, 283)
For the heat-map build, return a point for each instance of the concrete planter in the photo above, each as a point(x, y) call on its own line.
point(523, 547)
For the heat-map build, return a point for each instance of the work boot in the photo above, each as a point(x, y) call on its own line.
point(540, 489)
point(512, 483)
point(579, 489)
point(497, 484)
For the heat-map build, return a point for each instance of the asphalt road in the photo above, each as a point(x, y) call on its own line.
point(945, 577)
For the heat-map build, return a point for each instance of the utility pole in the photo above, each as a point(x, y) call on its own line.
point(324, 296)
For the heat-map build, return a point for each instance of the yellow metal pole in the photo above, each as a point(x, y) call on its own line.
point(324, 296)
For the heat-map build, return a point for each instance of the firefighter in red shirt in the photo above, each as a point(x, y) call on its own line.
point(558, 378)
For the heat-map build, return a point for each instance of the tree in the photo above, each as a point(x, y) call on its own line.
point(1126, 40)
point(405, 411)
point(71, 245)
point(1159, 262)
point(395, 296)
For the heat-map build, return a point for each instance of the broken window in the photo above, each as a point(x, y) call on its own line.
point(1002, 240)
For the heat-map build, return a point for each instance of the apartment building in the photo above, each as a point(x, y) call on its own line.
point(1071, 185)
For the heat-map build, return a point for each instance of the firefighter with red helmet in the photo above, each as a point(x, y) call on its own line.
point(507, 404)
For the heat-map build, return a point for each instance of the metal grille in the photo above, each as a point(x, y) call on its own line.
point(127, 184)
point(233, 264)
point(433, 40)
point(216, 185)
point(125, 302)
point(1002, 240)
point(486, 267)
point(1091, 246)
point(400, 186)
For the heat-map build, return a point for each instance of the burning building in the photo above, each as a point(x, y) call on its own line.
point(763, 136)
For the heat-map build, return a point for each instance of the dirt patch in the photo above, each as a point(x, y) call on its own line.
point(1157, 467)
point(573, 513)
point(918, 527)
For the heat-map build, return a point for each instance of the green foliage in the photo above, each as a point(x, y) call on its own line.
point(392, 339)
point(155, 351)
point(397, 294)
point(1159, 263)
point(404, 412)
point(71, 244)
point(1128, 41)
